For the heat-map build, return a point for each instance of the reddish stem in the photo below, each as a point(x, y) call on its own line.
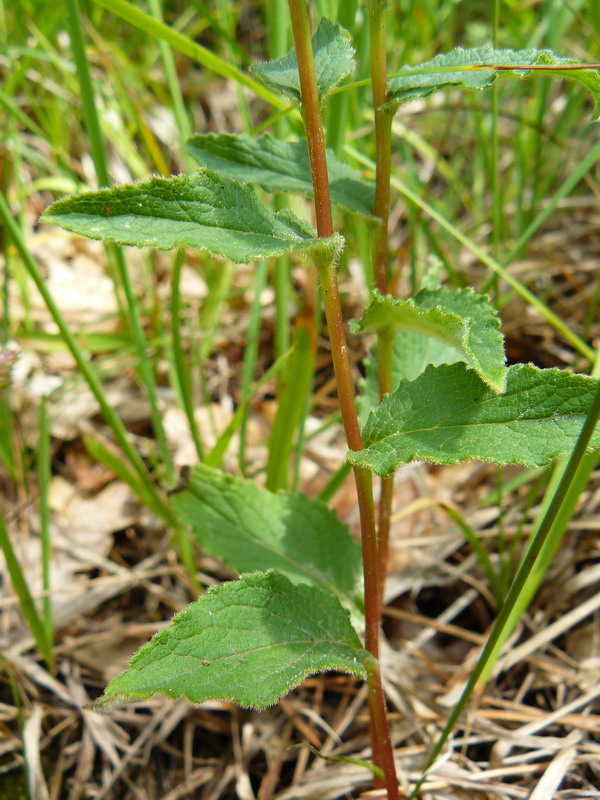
point(383, 145)
point(383, 754)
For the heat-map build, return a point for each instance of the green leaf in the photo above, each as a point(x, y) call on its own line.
point(278, 166)
point(460, 320)
point(411, 353)
point(449, 415)
point(203, 211)
point(253, 529)
point(461, 68)
point(334, 61)
point(248, 641)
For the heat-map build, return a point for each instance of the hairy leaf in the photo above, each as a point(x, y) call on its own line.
point(248, 641)
point(334, 61)
point(461, 320)
point(278, 166)
point(203, 211)
point(449, 415)
point(459, 68)
point(411, 353)
point(253, 529)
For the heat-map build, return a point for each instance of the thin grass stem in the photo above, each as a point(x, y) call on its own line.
point(43, 477)
point(179, 110)
point(181, 369)
point(26, 602)
point(82, 362)
point(251, 351)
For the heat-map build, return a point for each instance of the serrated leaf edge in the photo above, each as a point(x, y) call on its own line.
point(357, 327)
point(354, 456)
point(105, 703)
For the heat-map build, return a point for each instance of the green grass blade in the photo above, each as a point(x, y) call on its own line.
point(335, 482)
point(134, 16)
point(181, 370)
point(179, 109)
point(82, 362)
point(44, 475)
point(114, 462)
point(30, 612)
point(251, 350)
point(215, 457)
point(6, 449)
point(86, 89)
point(296, 386)
point(337, 107)
point(583, 168)
point(12, 108)
point(479, 550)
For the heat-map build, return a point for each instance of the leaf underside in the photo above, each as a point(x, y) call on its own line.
point(449, 415)
point(403, 88)
point(334, 61)
point(203, 211)
point(411, 353)
point(248, 641)
point(253, 529)
point(278, 166)
point(461, 320)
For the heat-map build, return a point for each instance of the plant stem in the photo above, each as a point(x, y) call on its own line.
point(383, 147)
point(311, 114)
point(495, 158)
point(383, 755)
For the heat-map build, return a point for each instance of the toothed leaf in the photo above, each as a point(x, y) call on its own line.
point(253, 529)
point(459, 69)
point(334, 61)
point(248, 641)
point(464, 322)
point(203, 211)
point(449, 415)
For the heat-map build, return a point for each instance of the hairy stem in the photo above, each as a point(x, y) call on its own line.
point(382, 748)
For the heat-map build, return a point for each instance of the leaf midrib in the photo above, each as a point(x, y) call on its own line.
point(289, 239)
point(408, 431)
